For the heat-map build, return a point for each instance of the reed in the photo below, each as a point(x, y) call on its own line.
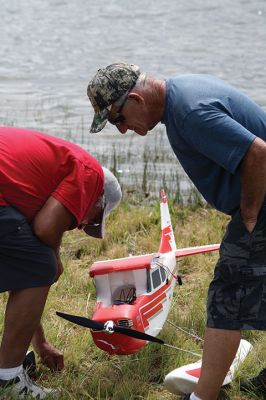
point(146, 167)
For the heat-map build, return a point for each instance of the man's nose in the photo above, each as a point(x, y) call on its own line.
point(122, 128)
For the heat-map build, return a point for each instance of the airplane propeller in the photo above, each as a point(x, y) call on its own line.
point(108, 327)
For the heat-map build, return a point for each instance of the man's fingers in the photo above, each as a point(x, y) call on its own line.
point(59, 363)
point(250, 226)
point(54, 363)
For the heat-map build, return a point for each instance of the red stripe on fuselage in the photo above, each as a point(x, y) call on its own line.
point(153, 306)
point(152, 312)
point(154, 302)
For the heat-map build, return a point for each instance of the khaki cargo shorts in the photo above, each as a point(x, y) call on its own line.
point(237, 294)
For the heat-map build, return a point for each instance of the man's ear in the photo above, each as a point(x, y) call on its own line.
point(136, 97)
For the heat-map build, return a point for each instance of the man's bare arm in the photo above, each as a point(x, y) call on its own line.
point(253, 182)
point(49, 225)
point(51, 222)
point(49, 355)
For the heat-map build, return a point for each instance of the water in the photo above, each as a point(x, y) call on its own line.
point(51, 48)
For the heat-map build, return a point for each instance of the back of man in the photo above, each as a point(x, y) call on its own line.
point(210, 126)
point(35, 166)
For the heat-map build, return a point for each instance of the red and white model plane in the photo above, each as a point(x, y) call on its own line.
point(134, 294)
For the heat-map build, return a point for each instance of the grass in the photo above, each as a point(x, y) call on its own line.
point(92, 374)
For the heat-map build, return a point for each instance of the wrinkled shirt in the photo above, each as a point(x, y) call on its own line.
point(210, 126)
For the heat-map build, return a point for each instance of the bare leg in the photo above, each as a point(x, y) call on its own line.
point(23, 313)
point(220, 347)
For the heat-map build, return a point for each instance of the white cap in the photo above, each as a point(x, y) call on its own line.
point(112, 196)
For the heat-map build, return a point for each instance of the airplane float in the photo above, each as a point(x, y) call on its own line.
point(134, 296)
point(185, 378)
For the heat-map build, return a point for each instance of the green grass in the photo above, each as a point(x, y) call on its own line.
point(89, 372)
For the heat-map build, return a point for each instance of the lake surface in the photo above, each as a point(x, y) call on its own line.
point(50, 49)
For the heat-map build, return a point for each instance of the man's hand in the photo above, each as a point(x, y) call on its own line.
point(253, 183)
point(49, 355)
point(249, 223)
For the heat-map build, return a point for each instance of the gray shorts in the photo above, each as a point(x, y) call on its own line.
point(237, 294)
point(25, 261)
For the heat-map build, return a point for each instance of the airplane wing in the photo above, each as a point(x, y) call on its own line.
point(121, 264)
point(142, 261)
point(188, 251)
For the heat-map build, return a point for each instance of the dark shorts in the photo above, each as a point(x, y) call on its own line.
point(25, 261)
point(237, 294)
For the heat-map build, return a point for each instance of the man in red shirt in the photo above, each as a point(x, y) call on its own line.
point(47, 186)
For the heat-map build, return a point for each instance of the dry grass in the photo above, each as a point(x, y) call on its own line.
point(91, 373)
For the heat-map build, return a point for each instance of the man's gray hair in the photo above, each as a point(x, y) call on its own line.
point(141, 80)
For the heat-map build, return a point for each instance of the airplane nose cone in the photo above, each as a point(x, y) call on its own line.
point(109, 327)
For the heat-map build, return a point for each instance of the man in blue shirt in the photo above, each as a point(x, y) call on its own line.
point(218, 134)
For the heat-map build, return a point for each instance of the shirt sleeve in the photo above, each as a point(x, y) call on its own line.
point(217, 136)
point(79, 190)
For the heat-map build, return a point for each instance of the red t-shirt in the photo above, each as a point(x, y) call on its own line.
point(35, 166)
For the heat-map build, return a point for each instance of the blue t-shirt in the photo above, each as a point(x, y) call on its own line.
point(210, 126)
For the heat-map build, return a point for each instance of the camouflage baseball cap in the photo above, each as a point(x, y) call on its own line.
point(107, 86)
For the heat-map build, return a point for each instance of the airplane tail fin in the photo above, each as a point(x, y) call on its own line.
point(167, 235)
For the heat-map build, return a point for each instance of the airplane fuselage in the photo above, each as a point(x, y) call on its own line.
point(146, 313)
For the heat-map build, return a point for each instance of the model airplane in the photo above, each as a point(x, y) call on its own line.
point(134, 294)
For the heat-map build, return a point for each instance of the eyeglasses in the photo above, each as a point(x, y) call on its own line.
point(96, 214)
point(118, 118)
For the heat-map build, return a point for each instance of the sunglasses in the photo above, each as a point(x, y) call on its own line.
point(118, 118)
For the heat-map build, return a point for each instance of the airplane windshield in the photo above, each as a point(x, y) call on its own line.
point(163, 273)
point(156, 276)
point(156, 261)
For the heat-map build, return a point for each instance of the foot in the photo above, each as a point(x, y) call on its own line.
point(256, 384)
point(22, 386)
